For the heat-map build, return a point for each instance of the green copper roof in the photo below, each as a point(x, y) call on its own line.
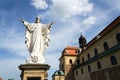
point(58, 73)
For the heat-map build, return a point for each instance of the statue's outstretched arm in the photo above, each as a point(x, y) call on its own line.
point(22, 20)
point(50, 24)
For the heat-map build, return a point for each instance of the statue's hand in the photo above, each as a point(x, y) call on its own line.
point(22, 20)
point(51, 24)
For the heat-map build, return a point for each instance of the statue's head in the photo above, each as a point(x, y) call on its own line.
point(37, 19)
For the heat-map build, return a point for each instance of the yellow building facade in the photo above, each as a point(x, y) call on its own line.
point(101, 58)
point(97, 60)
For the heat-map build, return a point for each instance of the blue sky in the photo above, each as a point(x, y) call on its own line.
point(71, 17)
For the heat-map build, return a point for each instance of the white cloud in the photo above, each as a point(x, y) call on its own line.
point(39, 4)
point(64, 9)
point(89, 21)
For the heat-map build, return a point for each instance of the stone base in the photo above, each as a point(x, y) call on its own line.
point(34, 71)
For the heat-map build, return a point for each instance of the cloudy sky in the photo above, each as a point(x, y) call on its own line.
point(71, 17)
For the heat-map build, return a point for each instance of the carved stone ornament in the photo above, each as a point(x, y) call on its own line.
point(34, 58)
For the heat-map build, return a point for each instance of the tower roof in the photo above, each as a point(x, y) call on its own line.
point(81, 36)
point(58, 73)
point(70, 50)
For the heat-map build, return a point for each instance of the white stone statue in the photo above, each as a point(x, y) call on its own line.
point(37, 40)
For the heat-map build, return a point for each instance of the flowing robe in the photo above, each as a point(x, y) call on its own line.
point(37, 40)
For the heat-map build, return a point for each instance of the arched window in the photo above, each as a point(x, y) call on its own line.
point(113, 60)
point(78, 51)
point(82, 70)
point(82, 59)
point(99, 65)
point(88, 55)
point(96, 52)
point(78, 62)
point(70, 61)
point(105, 46)
point(89, 68)
point(118, 37)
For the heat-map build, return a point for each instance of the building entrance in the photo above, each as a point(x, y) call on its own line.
point(34, 78)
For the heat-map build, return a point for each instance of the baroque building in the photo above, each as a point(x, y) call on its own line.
point(97, 60)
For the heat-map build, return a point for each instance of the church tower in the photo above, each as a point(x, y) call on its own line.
point(82, 42)
point(68, 61)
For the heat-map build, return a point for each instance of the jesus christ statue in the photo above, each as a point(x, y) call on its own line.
point(37, 40)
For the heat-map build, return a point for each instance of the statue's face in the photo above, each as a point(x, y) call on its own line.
point(37, 20)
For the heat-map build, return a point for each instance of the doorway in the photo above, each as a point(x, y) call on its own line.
point(34, 78)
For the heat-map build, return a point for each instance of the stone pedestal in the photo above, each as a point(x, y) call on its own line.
point(34, 71)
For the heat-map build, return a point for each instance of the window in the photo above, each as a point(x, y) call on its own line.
point(89, 68)
point(82, 70)
point(106, 45)
point(118, 37)
point(70, 61)
point(99, 65)
point(78, 51)
point(88, 55)
point(62, 67)
point(82, 59)
point(78, 62)
point(113, 60)
point(76, 72)
point(96, 52)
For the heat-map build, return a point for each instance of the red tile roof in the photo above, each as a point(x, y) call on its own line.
point(70, 50)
